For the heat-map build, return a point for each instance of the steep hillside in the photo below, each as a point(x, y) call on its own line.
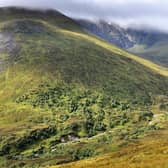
point(66, 95)
point(150, 44)
point(157, 53)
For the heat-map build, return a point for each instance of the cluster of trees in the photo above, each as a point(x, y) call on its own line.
point(98, 111)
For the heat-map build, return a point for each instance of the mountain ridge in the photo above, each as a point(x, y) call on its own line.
point(147, 43)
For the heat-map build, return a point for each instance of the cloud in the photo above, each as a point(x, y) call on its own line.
point(143, 12)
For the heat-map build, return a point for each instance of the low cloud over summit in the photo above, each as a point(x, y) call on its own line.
point(151, 13)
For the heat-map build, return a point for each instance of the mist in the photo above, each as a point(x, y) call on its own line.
point(139, 13)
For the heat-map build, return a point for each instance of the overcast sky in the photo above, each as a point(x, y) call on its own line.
point(126, 12)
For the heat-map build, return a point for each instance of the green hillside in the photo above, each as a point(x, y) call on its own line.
point(66, 95)
point(143, 153)
point(157, 53)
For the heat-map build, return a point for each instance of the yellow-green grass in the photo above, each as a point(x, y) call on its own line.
point(156, 53)
point(157, 68)
point(151, 152)
point(96, 50)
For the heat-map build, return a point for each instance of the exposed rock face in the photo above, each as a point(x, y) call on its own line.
point(7, 43)
point(70, 137)
point(123, 37)
point(8, 46)
point(8, 49)
point(26, 27)
point(110, 32)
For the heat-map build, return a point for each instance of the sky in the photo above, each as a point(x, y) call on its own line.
point(152, 13)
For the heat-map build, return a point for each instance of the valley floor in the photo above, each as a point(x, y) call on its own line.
point(150, 152)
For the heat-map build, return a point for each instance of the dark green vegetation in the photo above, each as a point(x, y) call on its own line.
point(63, 98)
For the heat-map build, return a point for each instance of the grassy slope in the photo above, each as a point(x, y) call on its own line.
point(157, 53)
point(57, 59)
point(147, 153)
point(67, 24)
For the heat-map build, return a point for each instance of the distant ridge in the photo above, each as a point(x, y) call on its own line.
point(148, 43)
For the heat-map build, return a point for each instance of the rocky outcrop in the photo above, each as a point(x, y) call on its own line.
point(8, 49)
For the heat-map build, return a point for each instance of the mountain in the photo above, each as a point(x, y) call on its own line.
point(147, 43)
point(113, 33)
point(66, 95)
